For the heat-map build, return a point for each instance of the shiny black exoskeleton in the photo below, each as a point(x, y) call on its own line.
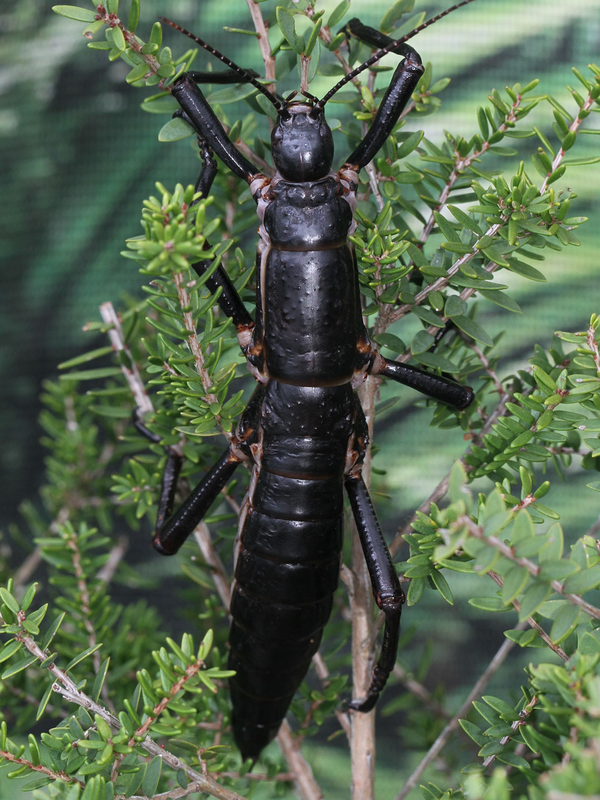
point(303, 432)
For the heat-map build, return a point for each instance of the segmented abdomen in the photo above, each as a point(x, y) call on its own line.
point(289, 558)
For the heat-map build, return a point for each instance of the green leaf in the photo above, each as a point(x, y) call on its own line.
point(583, 581)
point(9, 600)
point(501, 299)
point(137, 72)
point(10, 649)
point(441, 584)
point(525, 270)
point(409, 144)
point(119, 39)
point(533, 599)
point(18, 666)
point(472, 731)
point(174, 130)
point(553, 550)
point(421, 342)
point(134, 15)
point(91, 374)
point(503, 708)
point(152, 776)
point(515, 581)
point(522, 638)
point(565, 622)
point(557, 569)
point(436, 362)
point(523, 527)
point(394, 14)
point(288, 29)
point(473, 330)
point(338, 13)
point(415, 590)
point(231, 94)
point(52, 630)
point(76, 13)
point(488, 604)
point(80, 656)
point(495, 256)
point(513, 759)
point(99, 680)
point(73, 362)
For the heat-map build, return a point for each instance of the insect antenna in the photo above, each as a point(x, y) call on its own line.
point(246, 75)
point(390, 48)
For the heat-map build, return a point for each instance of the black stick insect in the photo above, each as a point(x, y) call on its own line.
point(303, 433)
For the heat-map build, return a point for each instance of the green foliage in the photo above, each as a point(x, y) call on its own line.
point(131, 712)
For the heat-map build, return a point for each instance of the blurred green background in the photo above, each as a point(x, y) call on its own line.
point(79, 156)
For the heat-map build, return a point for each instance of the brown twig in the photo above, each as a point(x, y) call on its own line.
point(573, 128)
point(445, 735)
point(129, 369)
point(419, 691)
point(211, 557)
point(84, 595)
point(57, 775)
point(26, 570)
point(534, 570)
point(304, 780)
point(531, 622)
point(323, 675)
point(518, 723)
point(107, 572)
point(67, 688)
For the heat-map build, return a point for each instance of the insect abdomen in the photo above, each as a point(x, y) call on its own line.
point(289, 559)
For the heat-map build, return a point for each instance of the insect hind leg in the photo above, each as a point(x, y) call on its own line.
point(172, 529)
point(385, 584)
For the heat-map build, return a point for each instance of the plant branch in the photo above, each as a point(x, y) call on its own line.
point(195, 346)
point(84, 595)
point(533, 569)
point(57, 776)
point(445, 735)
point(419, 691)
point(532, 623)
point(211, 557)
point(573, 128)
point(67, 688)
point(518, 723)
point(128, 365)
point(304, 780)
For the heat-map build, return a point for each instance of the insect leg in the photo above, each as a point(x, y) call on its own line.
point(221, 77)
point(384, 581)
point(173, 533)
point(404, 82)
point(229, 300)
point(173, 529)
point(370, 36)
point(435, 386)
point(170, 474)
point(203, 119)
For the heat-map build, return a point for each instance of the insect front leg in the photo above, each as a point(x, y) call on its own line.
point(229, 301)
point(403, 83)
point(172, 530)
